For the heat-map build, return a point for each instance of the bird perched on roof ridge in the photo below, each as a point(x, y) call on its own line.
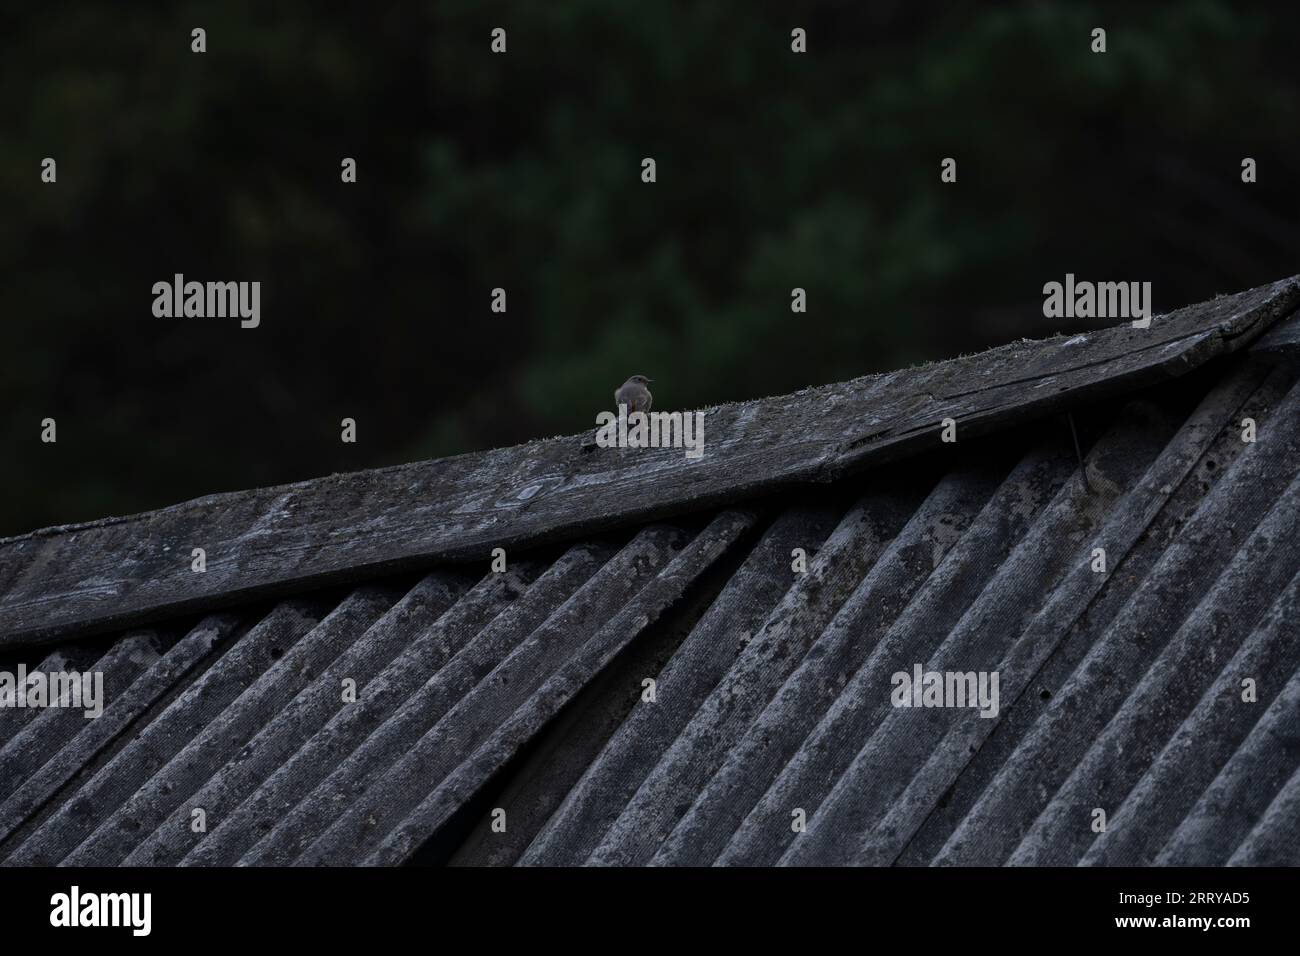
point(634, 394)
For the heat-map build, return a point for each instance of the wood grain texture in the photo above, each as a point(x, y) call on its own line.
point(117, 572)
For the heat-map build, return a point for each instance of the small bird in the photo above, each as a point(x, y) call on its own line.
point(634, 394)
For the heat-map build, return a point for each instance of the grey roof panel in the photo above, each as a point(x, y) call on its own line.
point(1243, 793)
point(34, 797)
point(883, 593)
point(1205, 740)
point(1275, 840)
point(683, 674)
point(86, 822)
point(410, 694)
point(1137, 534)
point(1183, 506)
point(565, 679)
point(1122, 648)
point(778, 645)
point(450, 673)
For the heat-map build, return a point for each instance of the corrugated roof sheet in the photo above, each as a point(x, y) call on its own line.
point(245, 716)
point(1120, 691)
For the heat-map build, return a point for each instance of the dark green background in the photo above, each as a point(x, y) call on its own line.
point(522, 171)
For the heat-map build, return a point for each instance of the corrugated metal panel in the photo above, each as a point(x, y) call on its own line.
point(1119, 691)
point(244, 717)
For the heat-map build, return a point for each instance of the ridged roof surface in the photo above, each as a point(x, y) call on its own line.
point(1162, 691)
point(1120, 691)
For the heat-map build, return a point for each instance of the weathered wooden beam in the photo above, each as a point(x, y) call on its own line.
point(123, 571)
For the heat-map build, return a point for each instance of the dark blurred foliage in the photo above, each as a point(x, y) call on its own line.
point(523, 171)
